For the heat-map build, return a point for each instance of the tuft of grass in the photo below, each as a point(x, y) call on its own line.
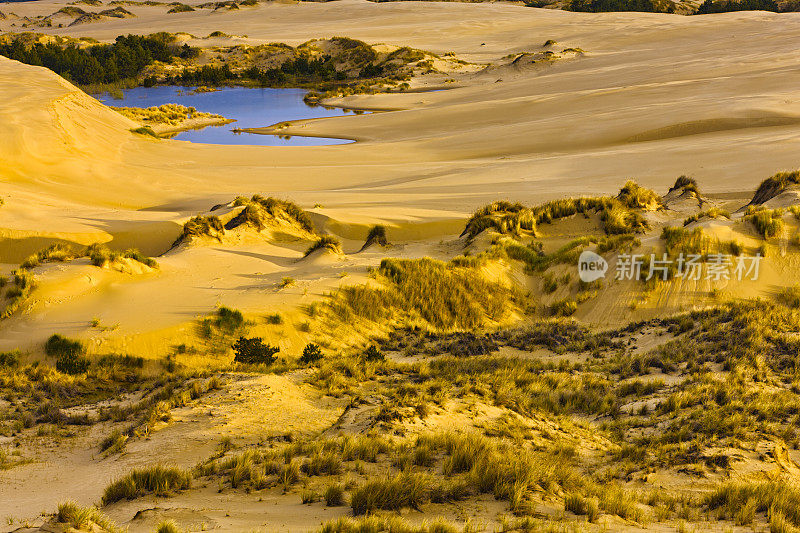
point(376, 235)
point(740, 502)
point(615, 213)
point(326, 242)
point(774, 185)
point(146, 131)
point(168, 526)
point(767, 222)
point(158, 480)
point(565, 307)
point(387, 524)
point(437, 294)
point(635, 196)
point(259, 212)
point(406, 489)
point(84, 518)
point(209, 226)
point(714, 212)
point(228, 319)
point(68, 354)
point(685, 184)
point(334, 495)
point(790, 296)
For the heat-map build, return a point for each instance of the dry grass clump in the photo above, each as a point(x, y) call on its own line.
point(259, 212)
point(199, 226)
point(158, 480)
point(714, 212)
point(326, 242)
point(635, 196)
point(767, 222)
point(685, 184)
point(100, 255)
point(376, 235)
point(57, 252)
point(618, 215)
point(741, 501)
point(85, 518)
point(23, 285)
point(774, 185)
point(428, 291)
point(169, 114)
point(387, 524)
point(537, 261)
point(502, 216)
point(169, 526)
point(565, 307)
point(403, 490)
point(790, 296)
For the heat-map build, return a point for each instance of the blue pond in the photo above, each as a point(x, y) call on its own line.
point(251, 108)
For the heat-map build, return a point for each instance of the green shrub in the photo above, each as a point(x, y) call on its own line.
point(311, 354)
point(58, 346)
point(9, 359)
point(228, 319)
point(253, 351)
point(372, 353)
point(600, 6)
point(146, 131)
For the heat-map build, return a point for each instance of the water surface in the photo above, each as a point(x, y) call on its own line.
point(250, 107)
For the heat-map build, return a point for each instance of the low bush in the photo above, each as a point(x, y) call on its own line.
point(253, 351)
point(311, 354)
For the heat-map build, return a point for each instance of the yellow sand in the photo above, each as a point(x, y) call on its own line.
point(653, 97)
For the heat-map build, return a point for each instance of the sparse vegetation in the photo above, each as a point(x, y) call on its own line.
point(84, 518)
point(767, 222)
point(425, 291)
point(326, 242)
point(158, 480)
point(376, 235)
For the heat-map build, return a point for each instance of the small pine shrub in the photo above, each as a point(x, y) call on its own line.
point(253, 351)
point(373, 354)
point(311, 354)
